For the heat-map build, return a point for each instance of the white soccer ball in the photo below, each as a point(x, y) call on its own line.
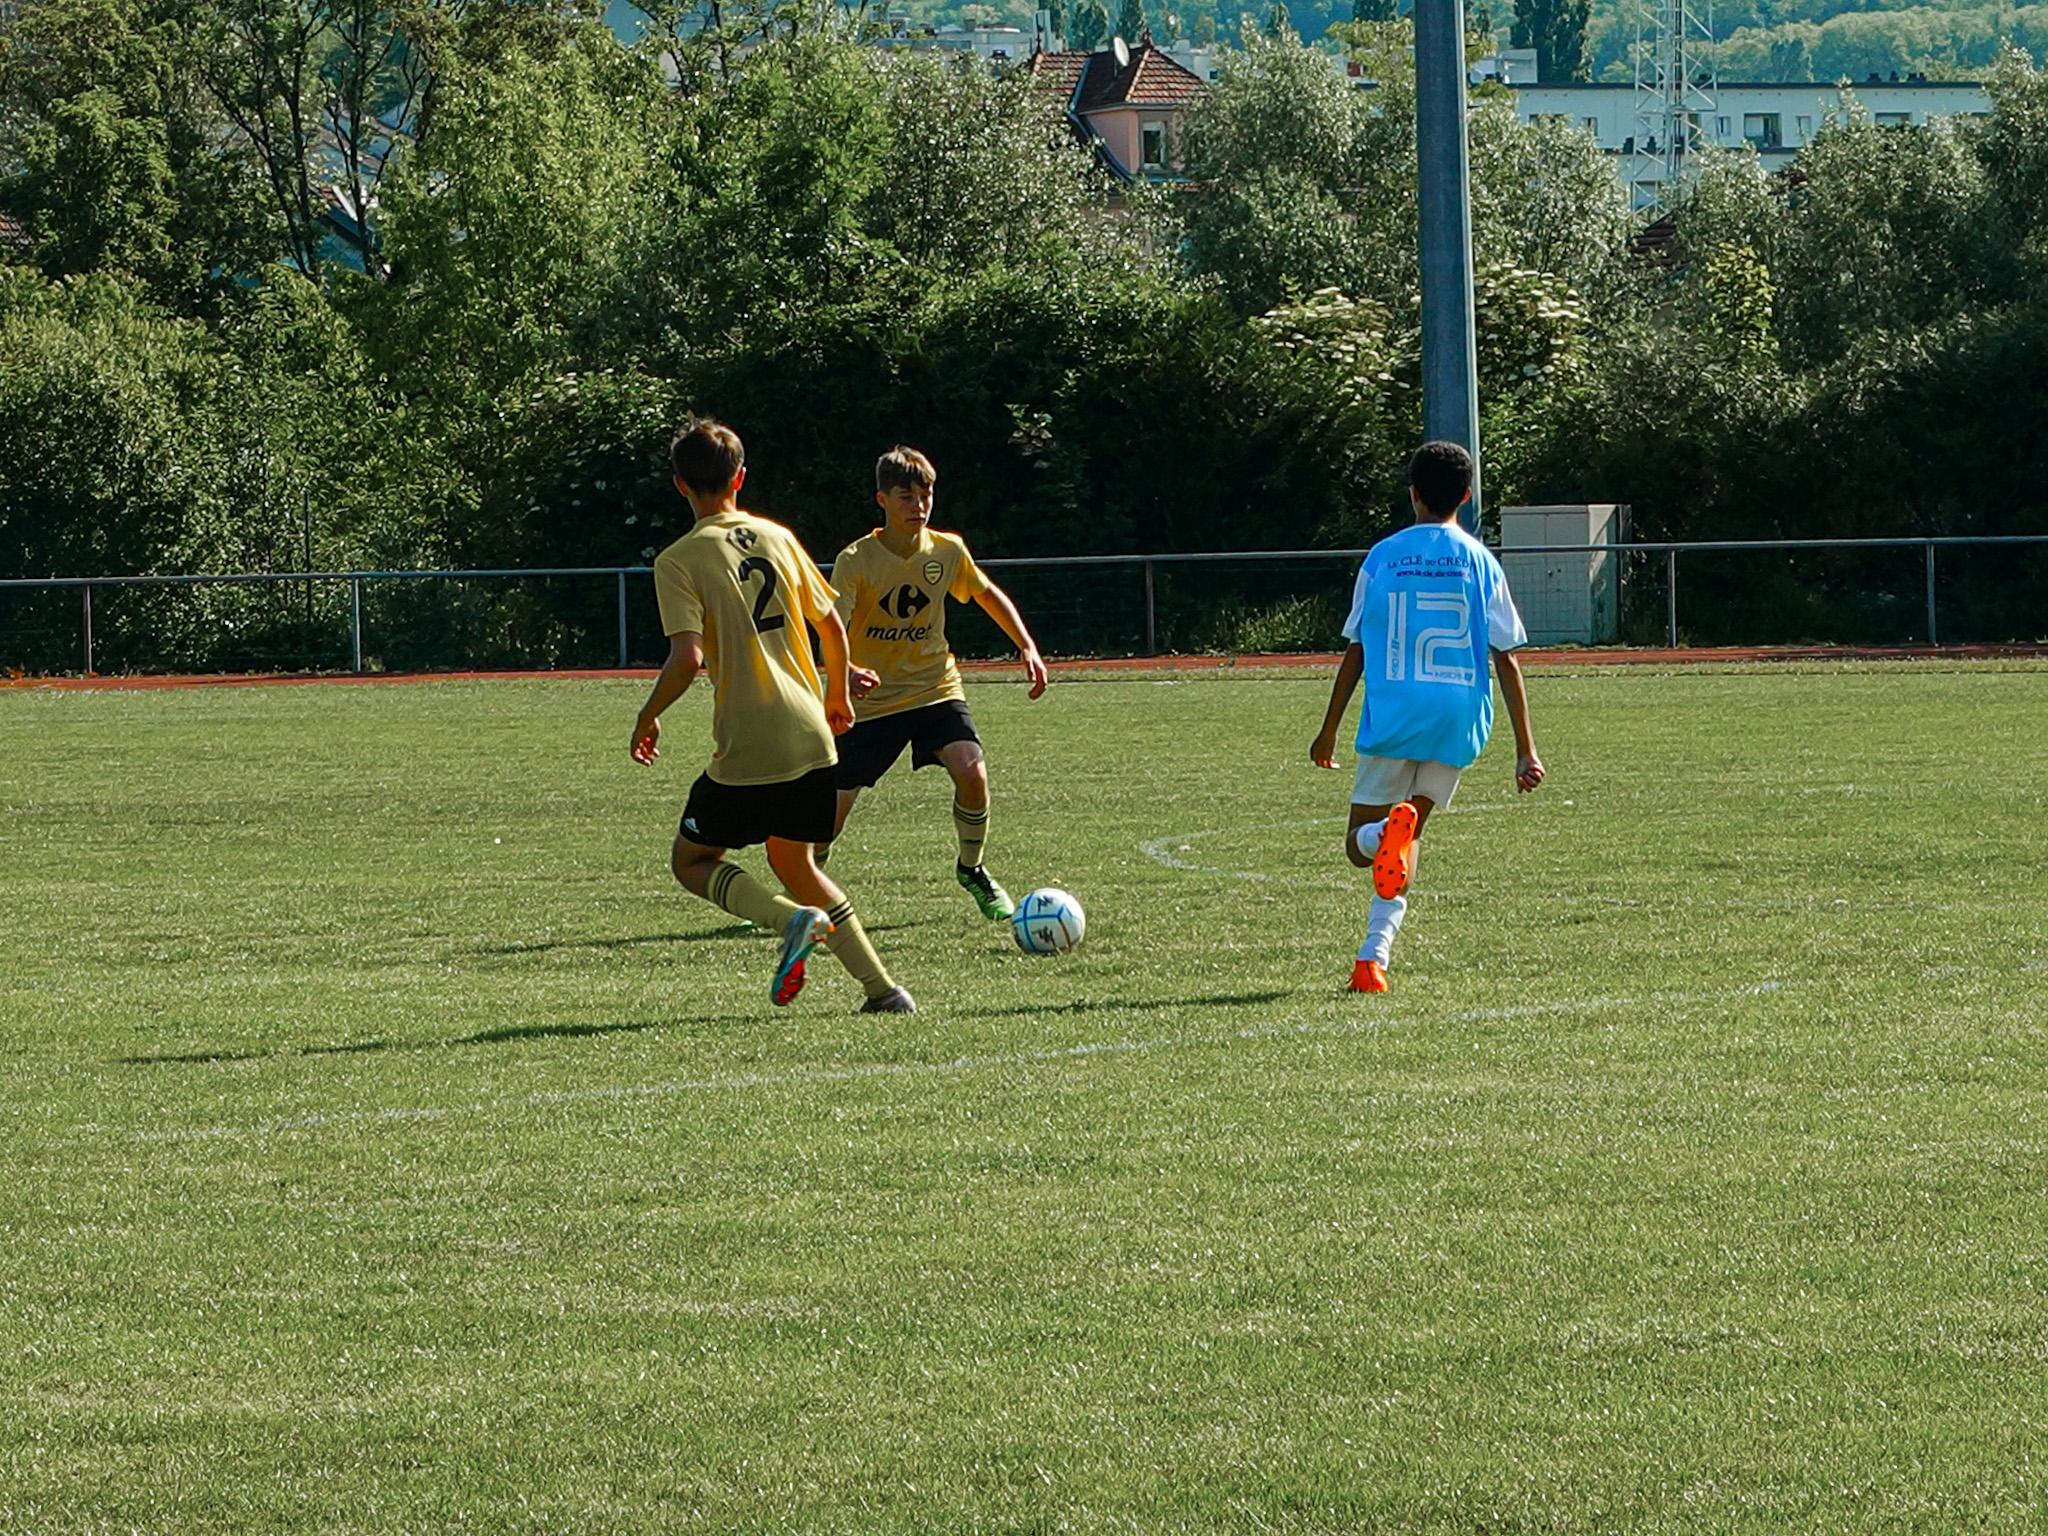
point(1048, 922)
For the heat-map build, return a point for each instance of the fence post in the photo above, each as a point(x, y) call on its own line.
point(1151, 621)
point(87, 590)
point(355, 621)
point(622, 619)
point(1931, 638)
point(1671, 594)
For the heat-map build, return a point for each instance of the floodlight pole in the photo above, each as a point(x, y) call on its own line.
point(1450, 360)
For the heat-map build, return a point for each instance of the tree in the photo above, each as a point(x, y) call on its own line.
point(1091, 26)
point(1130, 20)
point(1008, 187)
point(522, 230)
point(1556, 29)
point(118, 165)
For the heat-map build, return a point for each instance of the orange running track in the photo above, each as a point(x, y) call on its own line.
point(990, 670)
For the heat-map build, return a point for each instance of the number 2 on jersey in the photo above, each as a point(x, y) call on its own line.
point(749, 568)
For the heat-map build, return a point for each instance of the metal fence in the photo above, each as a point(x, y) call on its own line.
point(1080, 604)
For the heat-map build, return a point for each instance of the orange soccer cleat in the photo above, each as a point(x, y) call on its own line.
point(1368, 976)
point(1395, 861)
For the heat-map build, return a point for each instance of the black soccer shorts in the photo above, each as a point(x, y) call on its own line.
point(871, 748)
point(740, 815)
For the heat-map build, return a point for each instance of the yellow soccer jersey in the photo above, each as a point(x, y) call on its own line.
point(895, 612)
point(748, 587)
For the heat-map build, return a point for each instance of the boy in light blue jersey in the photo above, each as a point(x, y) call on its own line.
point(1430, 609)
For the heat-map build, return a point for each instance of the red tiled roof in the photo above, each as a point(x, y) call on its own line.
point(13, 234)
point(1060, 72)
point(1150, 79)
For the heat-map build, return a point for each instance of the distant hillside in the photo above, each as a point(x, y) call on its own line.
point(1760, 39)
point(1832, 40)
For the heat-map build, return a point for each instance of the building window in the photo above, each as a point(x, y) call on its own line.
point(1721, 126)
point(1763, 130)
point(1805, 129)
point(1893, 119)
point(1153, 152)
point(1591, 125)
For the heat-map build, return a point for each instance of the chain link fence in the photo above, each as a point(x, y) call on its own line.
point(1870, 592)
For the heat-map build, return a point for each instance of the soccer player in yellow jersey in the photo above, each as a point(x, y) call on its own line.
point(893, 585)
point(737, 592)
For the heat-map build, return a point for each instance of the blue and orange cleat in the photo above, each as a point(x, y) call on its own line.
point(1395, 861)
point(1368, 976)
point(807, 927)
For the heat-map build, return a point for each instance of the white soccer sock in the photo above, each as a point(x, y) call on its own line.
point(1367, 838)
point(1381, 924)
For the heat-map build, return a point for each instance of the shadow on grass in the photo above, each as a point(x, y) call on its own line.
point(507, 1035)
point(1146, 1005)
point(216, 1058)
point(732, 931)
point(553, 1032)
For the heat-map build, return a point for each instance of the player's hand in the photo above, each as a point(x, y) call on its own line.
point(1528, 772)
point(1323, 750)
point(839, 714)
point(861, 681)
point(1034, 668)
point(645, 734)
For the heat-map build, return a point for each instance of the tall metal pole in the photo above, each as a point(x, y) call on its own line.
point(1450, 359)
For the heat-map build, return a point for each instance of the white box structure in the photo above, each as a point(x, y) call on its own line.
point(1565, 599)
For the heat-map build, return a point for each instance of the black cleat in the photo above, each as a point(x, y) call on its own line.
point(895, 1000)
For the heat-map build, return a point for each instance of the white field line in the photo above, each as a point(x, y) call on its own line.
point(799, 1076)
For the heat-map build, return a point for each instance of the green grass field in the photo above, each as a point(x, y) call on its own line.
point(391, 1146)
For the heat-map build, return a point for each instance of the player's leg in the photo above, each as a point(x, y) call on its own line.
point(964, 762)
point(946, 736)
point(1391, 803)
point(847, 797)
point(1384, 817)
point(866, 752)
point(797, 869)
point(719, 817)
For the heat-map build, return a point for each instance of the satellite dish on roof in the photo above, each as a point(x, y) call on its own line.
point(1122, 52)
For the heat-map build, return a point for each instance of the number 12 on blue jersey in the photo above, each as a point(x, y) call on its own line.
point(1422, 651)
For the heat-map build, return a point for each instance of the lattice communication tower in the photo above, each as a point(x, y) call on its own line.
point(1678, 91)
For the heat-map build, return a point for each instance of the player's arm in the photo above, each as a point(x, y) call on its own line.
point(852, 606)
point(838, 671)
point(685, 661)
point(1528, 766)
point(995, 602)
point(1350, 668)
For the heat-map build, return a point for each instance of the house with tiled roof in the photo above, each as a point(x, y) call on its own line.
point(1129, 102)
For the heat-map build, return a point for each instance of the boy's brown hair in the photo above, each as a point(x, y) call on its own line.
point(906, 467)
point(706, 455)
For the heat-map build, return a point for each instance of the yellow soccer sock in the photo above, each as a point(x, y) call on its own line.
point(849, 943)
point(743, 896)
point(971, 827)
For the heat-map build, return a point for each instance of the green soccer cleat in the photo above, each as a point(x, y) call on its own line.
point(993, 900)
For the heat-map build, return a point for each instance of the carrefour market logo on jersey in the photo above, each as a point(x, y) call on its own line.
point(898, 631)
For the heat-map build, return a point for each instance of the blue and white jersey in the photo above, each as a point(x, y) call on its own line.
point(1429, 603)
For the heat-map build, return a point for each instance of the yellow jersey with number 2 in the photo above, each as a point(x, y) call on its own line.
point(749, 588)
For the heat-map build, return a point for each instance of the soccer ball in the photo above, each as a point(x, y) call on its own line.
point(1048, 922)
